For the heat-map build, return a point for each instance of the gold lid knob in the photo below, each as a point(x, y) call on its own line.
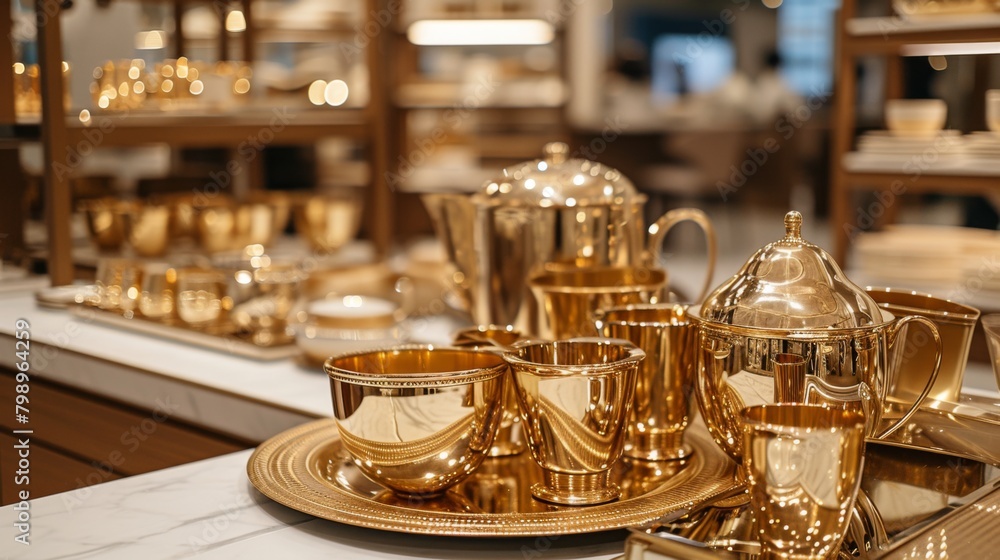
point(793, 226)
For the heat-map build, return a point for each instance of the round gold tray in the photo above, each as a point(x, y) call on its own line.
point(306, 469)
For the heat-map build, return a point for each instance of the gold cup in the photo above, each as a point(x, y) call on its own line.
point(803, 465)
point(147, 229)
point(105, 222)
point(575, 398)
point(158, 291)
point(417, 419)
point(328, 222)
point(569, 296)
point(661, 409)
point(200, 297)
point(510, 438)
point(789, 378)
point(117, 284)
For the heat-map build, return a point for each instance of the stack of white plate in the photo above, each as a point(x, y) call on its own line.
point(983, 148)
point(881, 149)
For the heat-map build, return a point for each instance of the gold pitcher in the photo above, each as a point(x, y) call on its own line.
point(552, 210)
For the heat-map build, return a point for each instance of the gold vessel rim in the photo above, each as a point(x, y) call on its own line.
point(535, 282)
point(681, 311)
point(635, 355)
point(963, 314)
point(416, 379)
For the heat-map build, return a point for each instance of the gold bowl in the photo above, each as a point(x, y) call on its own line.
point(228, 226)
point(417, 419)
point(328, 222)
point(349, 323)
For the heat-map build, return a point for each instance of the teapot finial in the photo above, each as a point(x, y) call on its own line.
point(793, 226)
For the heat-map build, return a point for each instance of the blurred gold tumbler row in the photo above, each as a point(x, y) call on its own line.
point(228, 297)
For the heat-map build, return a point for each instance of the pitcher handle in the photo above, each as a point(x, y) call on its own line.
point(658, 231)
point(932, 327)
point(818, 392)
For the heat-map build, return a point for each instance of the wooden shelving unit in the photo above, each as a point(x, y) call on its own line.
point(57, 131)
point(891, 37)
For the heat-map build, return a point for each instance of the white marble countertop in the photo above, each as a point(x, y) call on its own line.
point(209, 509)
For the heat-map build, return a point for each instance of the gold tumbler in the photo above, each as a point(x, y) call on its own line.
point(803, 465)
point(575, 397)
point(568, 296)
point(661, 409)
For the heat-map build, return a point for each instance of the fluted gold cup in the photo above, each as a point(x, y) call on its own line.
point(575, 397)
point(569, 296)
point(417, 419)
point(661, 409)
point(803, 465)
point(510, 438)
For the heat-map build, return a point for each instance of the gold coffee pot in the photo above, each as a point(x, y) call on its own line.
point(554, 211)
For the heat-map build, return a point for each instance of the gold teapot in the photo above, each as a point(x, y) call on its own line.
point(554, 211)
point(792, 301)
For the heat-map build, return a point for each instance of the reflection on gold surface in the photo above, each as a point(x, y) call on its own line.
point(418, 419)
point(803, 465)
point(575, 397)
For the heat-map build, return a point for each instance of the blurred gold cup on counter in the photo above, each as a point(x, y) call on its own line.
point(510, 438)
point(147, 228)
point(661, 410)
point(200, 296)
point(157, 291)
point(569, 296)
point(803, 464)
point(575, 398)
point(417, 419)
point(117, 282)
point(105, 222)
point(328, 221)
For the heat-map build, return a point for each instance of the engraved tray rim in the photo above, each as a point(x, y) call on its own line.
point(279, 469)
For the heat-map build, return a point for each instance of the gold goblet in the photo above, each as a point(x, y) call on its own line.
point(158, 291)
point(575, 397)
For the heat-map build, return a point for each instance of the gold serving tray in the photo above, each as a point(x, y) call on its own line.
point(306, 469)
point(220, 339)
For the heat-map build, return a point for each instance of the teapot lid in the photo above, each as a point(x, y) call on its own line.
point(791, 284)
point(558, 180)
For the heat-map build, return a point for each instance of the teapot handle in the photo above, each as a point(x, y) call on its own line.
point(658, 231)
point(894, 330)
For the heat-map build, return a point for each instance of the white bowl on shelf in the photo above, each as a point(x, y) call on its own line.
point(347, 324)
point(915, 117)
